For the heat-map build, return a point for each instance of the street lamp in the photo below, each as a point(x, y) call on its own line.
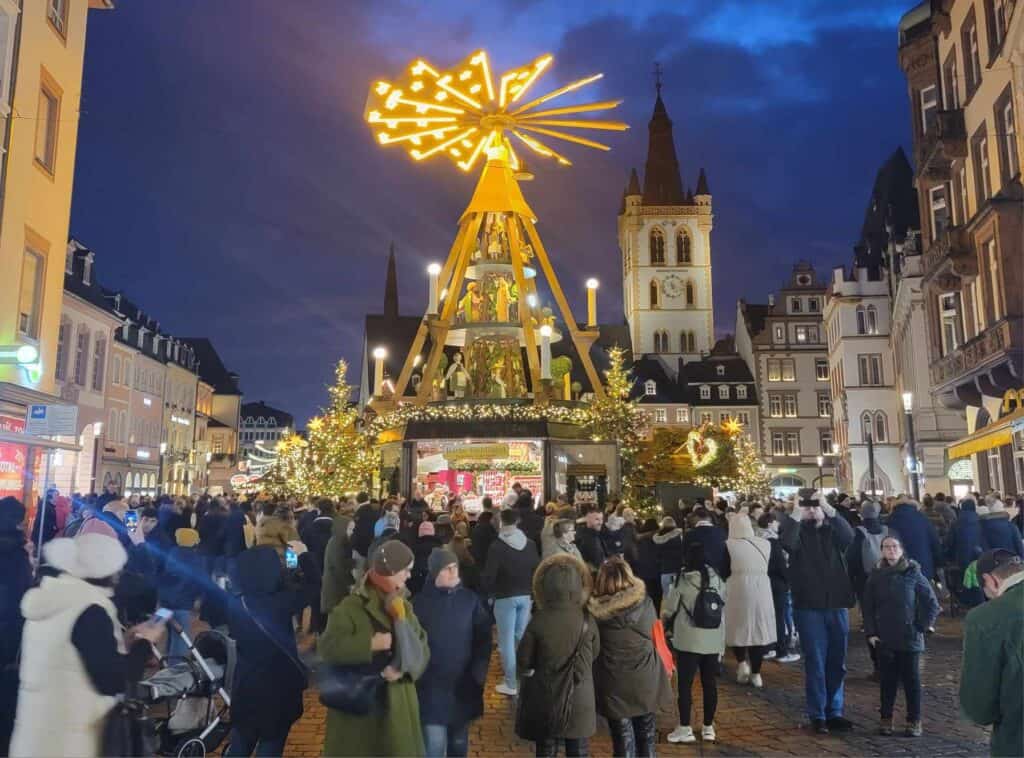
point(821, 473)
point(908, 411)
point(379, 354)
point(591, 303)
point(433, 270)
point(160, 474)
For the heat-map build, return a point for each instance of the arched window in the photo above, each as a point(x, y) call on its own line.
point(881, 427)
point(872, 320)
point(655, 299)
point(861, 321)
point(866, 426)
point(683, 342)
point(657, 248)
point(690, 295)
point(683, 255)
point(691, 343)
point(661, 344)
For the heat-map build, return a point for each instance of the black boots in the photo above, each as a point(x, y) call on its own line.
point(634, 738)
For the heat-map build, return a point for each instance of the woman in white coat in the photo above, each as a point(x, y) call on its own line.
point(73, 654)
point(749, 612)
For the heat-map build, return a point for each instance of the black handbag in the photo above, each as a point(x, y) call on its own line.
point(356, 690)
point(128, 732)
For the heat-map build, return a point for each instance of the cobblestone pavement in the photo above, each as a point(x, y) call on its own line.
point(769, 721)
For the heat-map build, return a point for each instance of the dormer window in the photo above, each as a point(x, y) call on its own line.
point(650, 388)
point(705, 392)
point(741, 392)
point(87, 270)
point(720, 370)
point(723, 391)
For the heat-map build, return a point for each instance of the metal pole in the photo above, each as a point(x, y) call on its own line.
point(160, 476)
point(915, 483)
point(871, 462)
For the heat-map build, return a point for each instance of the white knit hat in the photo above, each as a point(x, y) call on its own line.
point(87, 556)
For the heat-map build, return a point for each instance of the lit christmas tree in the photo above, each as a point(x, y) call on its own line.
point(750, 477)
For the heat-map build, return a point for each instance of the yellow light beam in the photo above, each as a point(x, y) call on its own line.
point(602, 105)
point(443, 146)
point(539, 66)
point(540, 148)
point(376, 118)
point(443, 83)
point(481, 60)
point(418, 104)
point(557, 93)
point(609, 126)
point(387, 139)
point(566, 137)
point(468, 163)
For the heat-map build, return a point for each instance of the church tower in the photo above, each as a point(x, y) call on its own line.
point(665, 241)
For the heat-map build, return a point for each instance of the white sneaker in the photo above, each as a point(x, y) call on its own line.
point(682, 734)
point(755, 681)
point(743, 672)
point(770, 654)
point(503, 689)
point(708, 733)
point(788, 658)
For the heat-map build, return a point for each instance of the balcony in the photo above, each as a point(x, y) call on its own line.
point(989, 365)
point(949, 258)
point(944, 142)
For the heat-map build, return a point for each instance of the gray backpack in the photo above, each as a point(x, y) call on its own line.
point(871, 548)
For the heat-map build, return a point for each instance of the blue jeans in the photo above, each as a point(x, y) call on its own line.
point(441, 740)
point(666, 583)
point(823, 637)
point(245, 745)
point(787, 617)
point(176, 647)
point(511, 615)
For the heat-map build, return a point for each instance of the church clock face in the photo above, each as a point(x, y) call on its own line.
point(672, 286)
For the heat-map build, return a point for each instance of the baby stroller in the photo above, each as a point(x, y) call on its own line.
point(188, 699)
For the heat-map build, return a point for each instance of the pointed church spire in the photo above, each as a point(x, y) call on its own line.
point(702, 183)
point(662, 185)
point(391, 287)
point(634, 183)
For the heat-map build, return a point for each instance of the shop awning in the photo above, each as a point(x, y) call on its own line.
point(25, 439)
point(994, 435)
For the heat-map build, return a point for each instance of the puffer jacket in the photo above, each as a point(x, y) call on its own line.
point(560, 623)
point(899, 606)
point(627, 674)
point(668, 545)
point(999, 532)
point(965, 540)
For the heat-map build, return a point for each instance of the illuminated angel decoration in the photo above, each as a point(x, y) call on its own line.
point(462, 112)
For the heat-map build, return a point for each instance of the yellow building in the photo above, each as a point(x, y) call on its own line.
point(42, 46)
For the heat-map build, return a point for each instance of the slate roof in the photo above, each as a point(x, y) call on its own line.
point(211, 367)
point(260, 409)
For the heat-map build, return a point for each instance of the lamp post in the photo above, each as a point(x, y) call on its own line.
point(545, 351)
point(160, 474)
point(209, 457)
point(379, 354)
point(591, 303)
point(871, 462)
point(908, 408)
point(821, 472)
point(434, 270)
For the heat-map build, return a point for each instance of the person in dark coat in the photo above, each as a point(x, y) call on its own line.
point(316, 534)
point(668, 545)
point(964, 544)
point(918, 535)
point(899, 608)
point(337, 578)
point(266, 696)
point(234, 531)
point(483, 534)
point(999, 532)
point(531, 521)
point(862, 558)
point(365, 517)
point(458, 627)
point(628, 674)
point(182, 582)
point(45, 520)
point(16, 571)
point(712, 539)
point(560, 638)
point(424, 544)
point(590, 540)
point(821, 589)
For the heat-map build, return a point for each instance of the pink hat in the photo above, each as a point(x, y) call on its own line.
point(427, 529)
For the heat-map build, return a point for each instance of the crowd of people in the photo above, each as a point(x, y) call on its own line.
point(594, 611)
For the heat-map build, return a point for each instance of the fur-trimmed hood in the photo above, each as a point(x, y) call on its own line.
point(662, 537)
point(607, 606)
point(561, 579)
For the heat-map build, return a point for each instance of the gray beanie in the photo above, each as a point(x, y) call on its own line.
point(440, 558)
point(870, 509)
point(391, 557)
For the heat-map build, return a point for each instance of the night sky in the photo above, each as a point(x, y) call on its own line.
point(228, 185)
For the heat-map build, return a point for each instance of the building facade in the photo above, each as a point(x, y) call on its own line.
point(220, 440)
point(42, 48)
point(665, 242)
point(963, 63)
point(867, 414)
point(262, 428)
point(783, 344)
point(179, 464)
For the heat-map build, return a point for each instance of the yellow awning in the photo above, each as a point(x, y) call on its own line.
point(993, 435)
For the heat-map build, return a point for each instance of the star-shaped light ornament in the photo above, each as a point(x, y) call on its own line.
point(464, 112)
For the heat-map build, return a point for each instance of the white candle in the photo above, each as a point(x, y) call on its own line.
point(379, 354)
point(545, 352)
point(434, 270)
point(591, 302)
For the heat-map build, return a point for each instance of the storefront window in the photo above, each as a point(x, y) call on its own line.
point(476, 469)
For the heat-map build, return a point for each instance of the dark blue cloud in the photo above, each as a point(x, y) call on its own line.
point(227, 182)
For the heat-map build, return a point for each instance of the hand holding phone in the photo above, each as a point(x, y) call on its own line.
point(291, 558)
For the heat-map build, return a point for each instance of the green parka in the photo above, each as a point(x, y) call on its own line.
point(992, 679)
point(337, 580)
point(396, 730)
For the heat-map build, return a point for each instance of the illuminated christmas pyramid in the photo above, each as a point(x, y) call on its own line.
point(483, 300)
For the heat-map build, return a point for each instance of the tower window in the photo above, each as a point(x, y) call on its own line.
point(705, 392)
point(657, 248)
point(690, 295)
point(654, 294)
point(683, 253)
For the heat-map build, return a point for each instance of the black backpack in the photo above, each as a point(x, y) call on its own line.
point(707, 607)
